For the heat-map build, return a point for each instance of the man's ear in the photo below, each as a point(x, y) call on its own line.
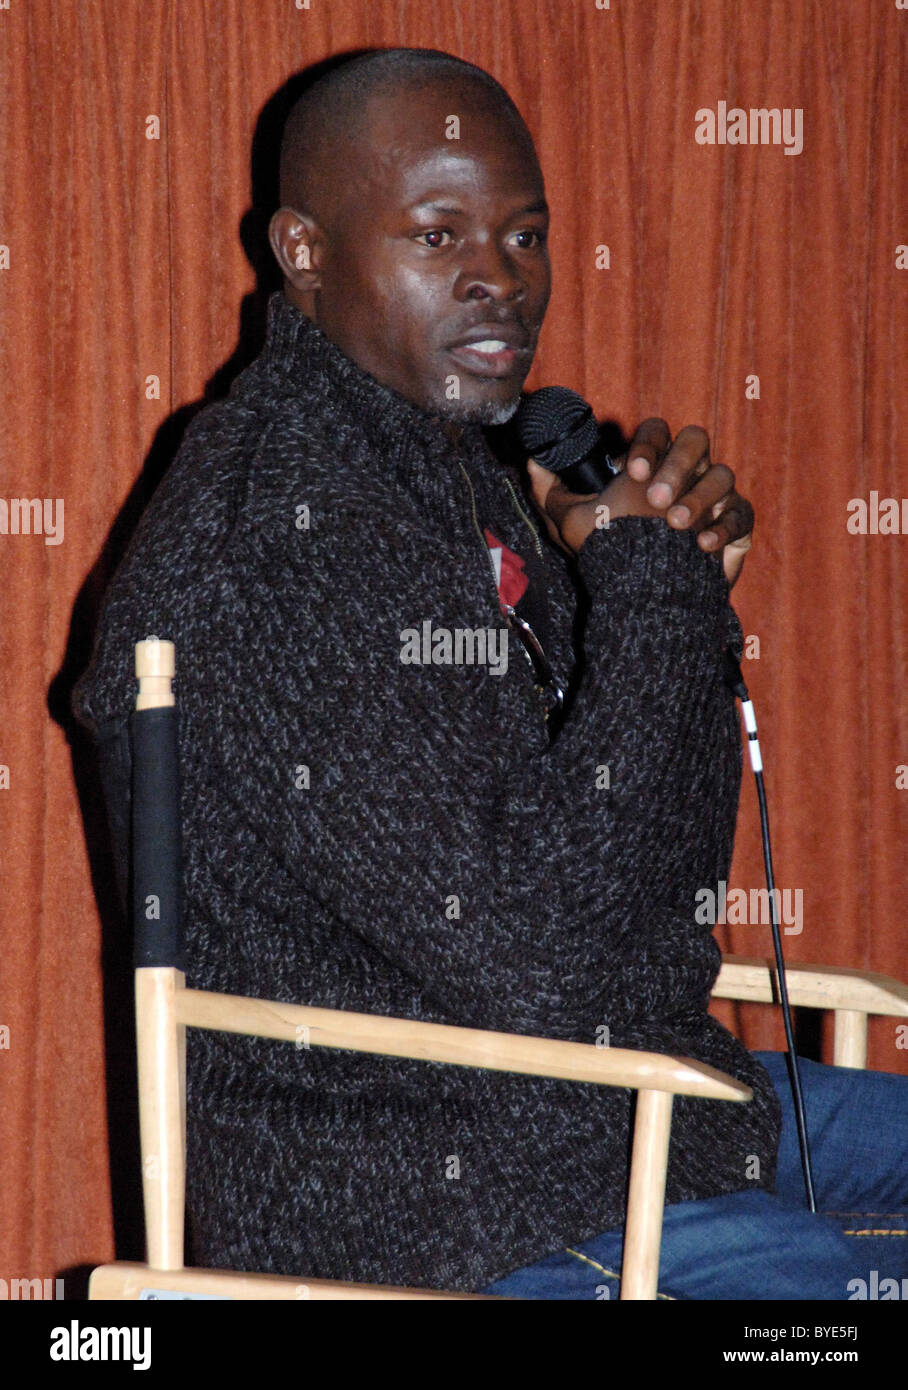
point(296, 240)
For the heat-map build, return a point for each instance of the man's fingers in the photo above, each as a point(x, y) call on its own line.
point(710, 506)
point(733, 557)
point(649, 444)
point(552, 499)
point(734, 525)
point(702, 502)
point(541, 481)
point(731, 531)
point(687, 458)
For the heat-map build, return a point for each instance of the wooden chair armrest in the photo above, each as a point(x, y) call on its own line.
point(165, 1008)
point(852, 994)
point(812, 986)
point(467, 1047)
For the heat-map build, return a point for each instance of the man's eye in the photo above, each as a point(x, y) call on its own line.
point(530, 232)
point(435, 232)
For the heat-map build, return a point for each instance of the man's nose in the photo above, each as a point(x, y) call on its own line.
point(491, 273)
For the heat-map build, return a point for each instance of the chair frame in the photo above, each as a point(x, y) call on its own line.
point(165, 1008)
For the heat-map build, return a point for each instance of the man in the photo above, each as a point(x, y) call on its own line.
point(377, 814)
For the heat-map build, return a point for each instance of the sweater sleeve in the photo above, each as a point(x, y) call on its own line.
point(534, 890)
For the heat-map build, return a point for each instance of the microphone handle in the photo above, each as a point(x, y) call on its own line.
point(587, 475)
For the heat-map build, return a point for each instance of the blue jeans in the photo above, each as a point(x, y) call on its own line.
point(762, 1245)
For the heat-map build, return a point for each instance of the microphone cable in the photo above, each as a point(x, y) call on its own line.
point(735, 681)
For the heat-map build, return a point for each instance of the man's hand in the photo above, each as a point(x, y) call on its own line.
point(676, 481)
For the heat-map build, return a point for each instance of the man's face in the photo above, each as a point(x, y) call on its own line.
point(434, 270)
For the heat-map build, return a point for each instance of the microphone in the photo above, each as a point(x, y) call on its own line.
point(558, 429)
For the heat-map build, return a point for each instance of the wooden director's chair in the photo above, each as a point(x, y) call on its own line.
point(165, 1008)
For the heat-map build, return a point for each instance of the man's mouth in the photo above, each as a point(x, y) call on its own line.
point(490, 357)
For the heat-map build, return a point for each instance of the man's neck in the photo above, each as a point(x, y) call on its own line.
point(306, 303)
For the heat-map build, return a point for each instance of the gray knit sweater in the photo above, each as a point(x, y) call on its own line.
point(369, 833)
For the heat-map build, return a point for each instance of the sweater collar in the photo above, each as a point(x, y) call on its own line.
point(404, 433)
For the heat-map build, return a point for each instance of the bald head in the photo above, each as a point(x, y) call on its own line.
point(414, 226)
point(333, 121)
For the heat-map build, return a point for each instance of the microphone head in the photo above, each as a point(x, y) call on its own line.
point(556, 427)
